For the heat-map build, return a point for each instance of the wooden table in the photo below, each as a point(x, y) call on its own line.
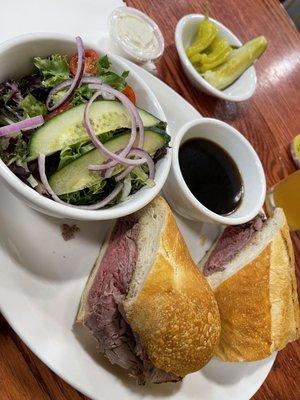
point(269, 120)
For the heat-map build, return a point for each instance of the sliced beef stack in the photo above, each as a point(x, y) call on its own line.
point(106, 319)
point(230, 243)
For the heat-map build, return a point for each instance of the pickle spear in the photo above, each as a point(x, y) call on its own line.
point(238, 61)
point(206, 33)
point(217, 53)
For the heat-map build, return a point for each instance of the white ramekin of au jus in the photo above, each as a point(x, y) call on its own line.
point(237, 146)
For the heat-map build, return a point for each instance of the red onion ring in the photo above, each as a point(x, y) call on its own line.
point(68, 82)
point(102, 203)
point(135, 118)
point(128, 105)
point(76, 81)
point(144, 156)
point(99, 145)
point(124, 99)
point(58, 88)
point(105, 167)
point(28, 123)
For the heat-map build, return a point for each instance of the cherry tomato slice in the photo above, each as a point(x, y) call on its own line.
point(59, 110)
point(129, 92)
point(91, 58)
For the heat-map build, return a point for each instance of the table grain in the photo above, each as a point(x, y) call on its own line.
point(270, 119)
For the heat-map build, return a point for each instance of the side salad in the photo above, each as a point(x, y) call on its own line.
point(72, 131)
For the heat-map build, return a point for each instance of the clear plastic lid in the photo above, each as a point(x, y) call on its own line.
point(136, 34)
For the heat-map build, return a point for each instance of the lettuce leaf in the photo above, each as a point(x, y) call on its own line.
point(86, 196)
point(14, 150)
point(55, 69)
point(32, 106)
point(140, 177)
point(58, 96)
point(109, 77)
point(82, 95)
point(125, 192)
point(10, 92)
point(33, 84)
point(104, 64)
point(10, 99)
point(71, 153)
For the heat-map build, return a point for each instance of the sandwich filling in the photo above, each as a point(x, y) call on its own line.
point(233, 239)
point(106, 317)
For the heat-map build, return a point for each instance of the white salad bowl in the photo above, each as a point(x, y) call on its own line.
point(242, 89)
point(237, 146)
point(16, 61)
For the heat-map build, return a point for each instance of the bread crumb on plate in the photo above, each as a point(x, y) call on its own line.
point(68, 231)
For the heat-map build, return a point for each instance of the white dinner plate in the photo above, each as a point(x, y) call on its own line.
point(42, 278)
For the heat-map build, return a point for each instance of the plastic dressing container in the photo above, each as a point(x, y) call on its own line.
point(137, 36)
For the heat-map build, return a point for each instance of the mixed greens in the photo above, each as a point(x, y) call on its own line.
point(70, 130)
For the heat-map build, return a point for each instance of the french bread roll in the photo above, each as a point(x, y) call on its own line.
point(257, 295)
point(168, 305)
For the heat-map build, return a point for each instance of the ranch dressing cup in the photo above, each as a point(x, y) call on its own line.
point(136, 36)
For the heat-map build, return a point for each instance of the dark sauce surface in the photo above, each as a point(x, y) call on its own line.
point(211, 175)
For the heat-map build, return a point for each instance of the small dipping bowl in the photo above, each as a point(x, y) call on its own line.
point(237, 146)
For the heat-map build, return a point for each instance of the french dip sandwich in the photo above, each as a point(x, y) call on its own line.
point(251, 269)
point(146, 302)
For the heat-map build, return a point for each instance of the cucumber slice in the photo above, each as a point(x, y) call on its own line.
point(67, 128)
point(76, 176)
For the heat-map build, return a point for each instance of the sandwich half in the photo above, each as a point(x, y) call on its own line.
point(146, 302)
point(251, 269)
